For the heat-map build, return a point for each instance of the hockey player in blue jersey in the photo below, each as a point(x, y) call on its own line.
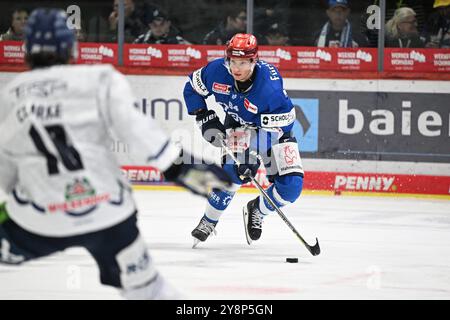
point(259, 117)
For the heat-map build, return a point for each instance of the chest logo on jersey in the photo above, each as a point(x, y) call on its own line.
point(80, 199)
point(221, 88)
point(250, 107)
point(80, 188)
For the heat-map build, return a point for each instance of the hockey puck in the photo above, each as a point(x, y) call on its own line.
point(292, 260)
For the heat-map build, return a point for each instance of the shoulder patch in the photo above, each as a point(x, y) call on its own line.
point(197, 83)
point(250, 107)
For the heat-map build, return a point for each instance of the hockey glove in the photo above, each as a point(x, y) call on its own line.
point(3, 212)
point(210, 125)
point(199, 178)
point(250, 167)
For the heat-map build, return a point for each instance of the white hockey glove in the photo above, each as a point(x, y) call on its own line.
point(199, 178)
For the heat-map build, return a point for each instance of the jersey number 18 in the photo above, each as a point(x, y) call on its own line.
point(68, 154)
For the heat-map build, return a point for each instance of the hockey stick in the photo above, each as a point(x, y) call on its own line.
point(314, 250)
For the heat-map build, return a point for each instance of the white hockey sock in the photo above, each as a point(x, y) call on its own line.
point(212, 213)
point(263, 208)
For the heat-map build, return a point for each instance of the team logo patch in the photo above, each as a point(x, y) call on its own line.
point(250, 106)
point(278, 120)
point(287, 158)
point(221, 88)
point(238, 53)
point(80, 188)
point(80, 199)
point(238, 140)
point(290, 155)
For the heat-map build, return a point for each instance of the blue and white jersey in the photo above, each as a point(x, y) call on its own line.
point(265, 105)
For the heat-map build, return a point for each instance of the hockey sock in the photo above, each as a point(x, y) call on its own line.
point(218, 201)
point(265, 206)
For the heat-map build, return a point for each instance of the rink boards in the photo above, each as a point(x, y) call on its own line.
point(337, 183)
point(372, 137)
point(383, 137)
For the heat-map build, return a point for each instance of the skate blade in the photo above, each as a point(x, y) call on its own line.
point(245, 216)
point(196, 242)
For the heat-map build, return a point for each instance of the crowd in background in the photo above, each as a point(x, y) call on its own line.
point(322, 23)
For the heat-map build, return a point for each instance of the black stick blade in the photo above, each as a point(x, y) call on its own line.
point(315, 250)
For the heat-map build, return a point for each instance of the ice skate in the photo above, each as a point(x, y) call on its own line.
point(203, 231)
point(253, 219)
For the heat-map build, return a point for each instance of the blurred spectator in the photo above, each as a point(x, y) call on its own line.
point(133, 21)
point(269, 24)
point(267, 11)
point(437, 30)
point(18, 20)
point(338, 31)
point(80, 35)
point(401, 30)
point(305, 18)
point(276, 34)
point(419, 6)
point(235, 22)
point(160, 30)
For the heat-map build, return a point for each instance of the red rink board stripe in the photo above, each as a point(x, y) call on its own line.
point(385, 183)
point(330, 181)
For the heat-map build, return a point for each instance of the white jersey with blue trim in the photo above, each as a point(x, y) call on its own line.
point(265, 105)
point(57, 126)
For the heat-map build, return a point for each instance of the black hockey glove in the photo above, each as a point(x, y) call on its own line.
point(249, 165)
point(210, 124)
point(199, 178)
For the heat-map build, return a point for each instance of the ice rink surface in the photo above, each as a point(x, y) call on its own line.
point(372, 248)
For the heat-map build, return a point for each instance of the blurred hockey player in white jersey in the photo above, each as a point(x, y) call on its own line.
point(65, 187)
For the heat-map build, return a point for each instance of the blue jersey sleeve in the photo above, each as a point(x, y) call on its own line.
point(198, 88)
point(195, 92)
